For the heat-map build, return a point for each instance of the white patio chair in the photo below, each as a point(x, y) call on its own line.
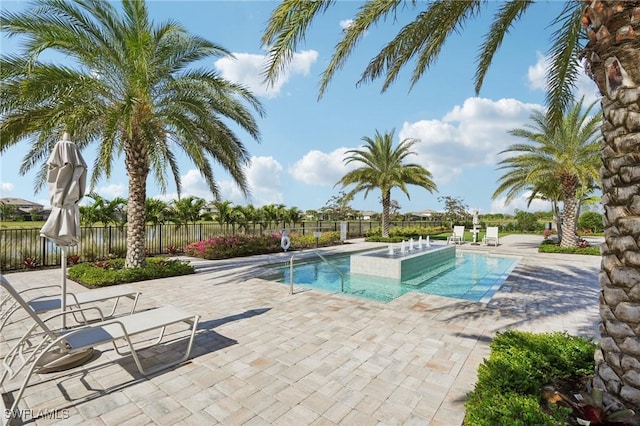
point(491, 236)
point(458, 235)
point(42, 349)
point(42, 304)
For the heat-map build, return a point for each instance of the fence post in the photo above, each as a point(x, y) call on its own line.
point(159, 237)
point(44, 251)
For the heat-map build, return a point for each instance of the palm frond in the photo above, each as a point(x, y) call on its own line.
point(507, 13)
point(286, 28)
point(563, 68)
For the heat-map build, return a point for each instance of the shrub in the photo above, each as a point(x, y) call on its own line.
point(246, 245)
point(548, 246)
point(225, 247)
point(398, 234)
point(110, 272)
point(526, 221)
point(520, 363)
point(591, 221)
point(299, 242)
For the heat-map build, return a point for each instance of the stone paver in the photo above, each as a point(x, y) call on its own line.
point(262, 356)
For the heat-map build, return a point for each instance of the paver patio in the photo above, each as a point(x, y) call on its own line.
point(262, 356)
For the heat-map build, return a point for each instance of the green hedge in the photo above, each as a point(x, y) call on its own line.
point(549, 246)
point(110, 272)
point(397, 234)
point(510, 381)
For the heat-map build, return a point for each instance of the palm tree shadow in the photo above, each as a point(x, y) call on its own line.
point(533, 294)
point(211, 324)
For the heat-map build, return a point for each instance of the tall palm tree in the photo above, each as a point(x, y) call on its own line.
point(127, 84)
point(611, 54)
point(555, 162)
point(383, 168)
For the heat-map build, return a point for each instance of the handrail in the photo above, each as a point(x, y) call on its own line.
point(317, 253)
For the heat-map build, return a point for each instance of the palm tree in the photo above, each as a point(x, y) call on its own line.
point(224, 212)
point(188, 209)
point(293, 215)
point(157, 211)
point(131, 89)
point(383, 168)
point(611, 59)
point(557, 163)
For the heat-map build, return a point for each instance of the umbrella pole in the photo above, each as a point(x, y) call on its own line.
point(63, 299)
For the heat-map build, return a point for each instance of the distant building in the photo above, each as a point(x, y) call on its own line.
point(423, 215)
point(366, 214)
point(24, 208)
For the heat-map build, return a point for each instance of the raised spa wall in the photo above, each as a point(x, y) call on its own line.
point(402, 266)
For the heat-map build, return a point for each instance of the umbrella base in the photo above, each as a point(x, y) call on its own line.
point(54, 362)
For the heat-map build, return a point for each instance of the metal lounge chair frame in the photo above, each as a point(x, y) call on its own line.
point(42, 304)
point(458, 235)
point(53, 346)
point(491, 236)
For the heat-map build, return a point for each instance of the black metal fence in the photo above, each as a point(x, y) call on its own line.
point(23, 248)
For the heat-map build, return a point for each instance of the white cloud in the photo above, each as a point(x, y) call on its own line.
point(6, 187)
point(470, 135)
point(346, 23)
point(263, 177)
point(193, 184)
point(263, 180)
point(520, 203)
point(537, 74)
point(321, 169)
point(584, 85)
point(247, 69)
point(112, 191)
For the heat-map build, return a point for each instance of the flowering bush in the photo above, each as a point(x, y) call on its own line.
point(225, 247)
point(246, 245)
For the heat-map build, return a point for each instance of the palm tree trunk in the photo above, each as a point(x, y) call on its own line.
point(612, 57)
point(386, 204)
point(557, 218)
point(137, 169)
point(569, 237)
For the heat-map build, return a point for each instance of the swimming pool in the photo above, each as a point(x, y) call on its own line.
point(470, 276)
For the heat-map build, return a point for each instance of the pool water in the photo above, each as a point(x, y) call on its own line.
point(471, 276)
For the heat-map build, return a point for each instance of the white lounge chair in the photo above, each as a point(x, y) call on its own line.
point(42, 304)
point(458, 235)
point(491, 236)
point(42, 349)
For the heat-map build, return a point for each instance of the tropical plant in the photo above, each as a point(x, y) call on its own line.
point(187, 209)
point(293, 215)
point(157, 211)
point(224, 212)
point(103, 210)
point(611, 56)
point(560, 163)
point(132, 90)
point(382, 167)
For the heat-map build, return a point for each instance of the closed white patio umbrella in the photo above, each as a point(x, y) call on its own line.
point(67, 177)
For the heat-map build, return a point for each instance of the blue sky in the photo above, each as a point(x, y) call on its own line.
point(300, 157)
